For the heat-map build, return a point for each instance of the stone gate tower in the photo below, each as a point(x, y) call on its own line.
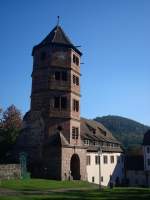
point(51, 133)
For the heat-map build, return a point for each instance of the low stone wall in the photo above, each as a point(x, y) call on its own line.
point(10, 171)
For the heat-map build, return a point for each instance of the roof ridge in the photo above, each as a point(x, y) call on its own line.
point(55, 32)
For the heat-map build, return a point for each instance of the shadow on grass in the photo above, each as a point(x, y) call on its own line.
point(104, 194)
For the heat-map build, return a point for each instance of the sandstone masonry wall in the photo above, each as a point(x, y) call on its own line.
point(10, 171)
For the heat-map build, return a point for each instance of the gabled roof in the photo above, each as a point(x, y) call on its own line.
point(91, 129)
point(95, 131)
point(57, 36)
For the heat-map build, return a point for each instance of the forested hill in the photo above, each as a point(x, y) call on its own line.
point(128, 132)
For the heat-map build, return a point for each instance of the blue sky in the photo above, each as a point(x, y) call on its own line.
point(115, 40)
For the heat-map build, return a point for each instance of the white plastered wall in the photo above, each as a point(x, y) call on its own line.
point(115, 169)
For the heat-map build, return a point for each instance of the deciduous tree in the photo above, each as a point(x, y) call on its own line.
point(11, 123)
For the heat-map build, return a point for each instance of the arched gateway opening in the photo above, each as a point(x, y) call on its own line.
point(75, 167)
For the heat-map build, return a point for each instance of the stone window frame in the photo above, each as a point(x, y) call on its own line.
point(75, 105)
point(60, 75)
point(75, 59)
point(75, 133)
point(75, 80)
point(60, 102)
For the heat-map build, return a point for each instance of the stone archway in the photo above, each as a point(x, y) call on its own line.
point(75, 167)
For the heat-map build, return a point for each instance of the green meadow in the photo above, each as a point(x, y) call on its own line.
point(39, 189)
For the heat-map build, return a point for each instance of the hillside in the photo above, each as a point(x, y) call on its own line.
point(128, 132)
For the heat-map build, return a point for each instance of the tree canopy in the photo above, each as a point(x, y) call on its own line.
point(10, 126)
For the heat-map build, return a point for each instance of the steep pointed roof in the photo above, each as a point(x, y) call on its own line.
point(57, 36)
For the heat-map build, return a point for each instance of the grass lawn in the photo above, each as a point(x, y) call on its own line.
point(23, 191)
point(106, 194)
point(42, 184)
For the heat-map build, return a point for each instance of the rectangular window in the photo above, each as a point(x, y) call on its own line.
point(88, 160)
point(60, 103)
point(105, 159)
point(148, 150)
point(93, 179)
point(57, 102)
point(75, 80)
point(75, 133)
point(63, 102)
point(111, 159)
point(60, 75)
point(75, 105)
point(102, 179)
point(97, 160)
point(75, 60)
